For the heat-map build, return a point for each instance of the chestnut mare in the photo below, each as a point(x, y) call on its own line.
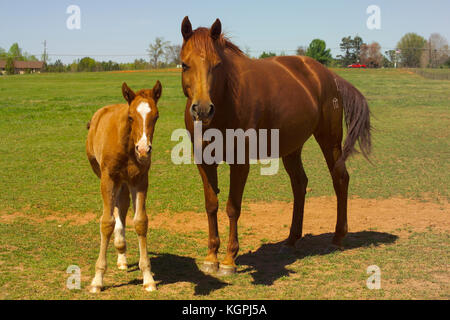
point(295, 94)
point(118, 146)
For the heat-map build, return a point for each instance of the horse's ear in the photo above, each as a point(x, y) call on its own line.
point(186, 28)
point(157, 90)
point(128, 94)
point(216, 29)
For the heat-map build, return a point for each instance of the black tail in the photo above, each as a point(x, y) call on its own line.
point(357, 119)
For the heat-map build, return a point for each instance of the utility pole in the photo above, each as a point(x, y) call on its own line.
point(430, 65)
point(44, 56)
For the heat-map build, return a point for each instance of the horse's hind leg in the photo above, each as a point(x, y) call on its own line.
point(332, 150)
point(299, 181)
point(122, 204)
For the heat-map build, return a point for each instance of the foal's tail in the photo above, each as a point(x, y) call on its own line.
point(357, 119)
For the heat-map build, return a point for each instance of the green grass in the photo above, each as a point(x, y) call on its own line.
point(44, 169)
point(34, 267)
point(43, 131)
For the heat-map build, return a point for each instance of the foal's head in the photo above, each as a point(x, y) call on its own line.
point(142, 116)
point(201, 60)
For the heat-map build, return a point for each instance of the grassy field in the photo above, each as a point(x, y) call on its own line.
point(45, 174)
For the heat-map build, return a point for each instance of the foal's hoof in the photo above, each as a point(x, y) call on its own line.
point(149, 287)
point(95, 289)
point(122, 266)
point(225, 270)
point(209, 267)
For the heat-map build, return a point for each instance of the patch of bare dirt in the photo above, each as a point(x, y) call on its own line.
point(272, 221)
point(58, 217)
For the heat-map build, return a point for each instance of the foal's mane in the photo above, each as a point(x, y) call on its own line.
point(202, 40)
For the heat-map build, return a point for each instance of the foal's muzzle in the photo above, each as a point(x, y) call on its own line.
point(202, 112)
point(143, 152)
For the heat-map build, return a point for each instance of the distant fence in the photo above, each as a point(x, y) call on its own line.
point(435, 74)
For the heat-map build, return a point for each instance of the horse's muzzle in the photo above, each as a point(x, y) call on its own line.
point(202, 112)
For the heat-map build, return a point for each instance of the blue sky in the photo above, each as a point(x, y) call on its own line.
point(128, 27)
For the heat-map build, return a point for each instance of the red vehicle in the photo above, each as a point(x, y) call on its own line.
point(356, 65)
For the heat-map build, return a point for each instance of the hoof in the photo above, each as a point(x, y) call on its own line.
point(334, 247)
point(285, 249)
point(149, 287)
point(337, 243)
point(209, 267)
point(225, 270)
point(122, 266)
point(95, 289)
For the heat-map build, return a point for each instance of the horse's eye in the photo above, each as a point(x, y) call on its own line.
point(130, 119)
point(184, 66)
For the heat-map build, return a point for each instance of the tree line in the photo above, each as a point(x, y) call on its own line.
point(413, 51)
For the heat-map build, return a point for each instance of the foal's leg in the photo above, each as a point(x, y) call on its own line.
point(294, 168)
point(140, 221)
point(332, 152)
point(107, 222)
point(120, 214)
point(208, 174)
point(238, 178)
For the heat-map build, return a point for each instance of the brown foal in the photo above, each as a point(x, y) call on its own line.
point(118, 147)
point(294, 94)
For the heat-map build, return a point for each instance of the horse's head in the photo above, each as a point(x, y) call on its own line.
point(142, 116)
point(200, 61)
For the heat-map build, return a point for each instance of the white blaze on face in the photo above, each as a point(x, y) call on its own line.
point(143, 109)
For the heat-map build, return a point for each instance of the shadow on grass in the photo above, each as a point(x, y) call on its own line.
point(169, 268)
point(267, 265)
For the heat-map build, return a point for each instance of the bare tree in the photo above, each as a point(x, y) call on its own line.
point(157, 50)
point(436, 51)
point(173, 54)
point(370, 55)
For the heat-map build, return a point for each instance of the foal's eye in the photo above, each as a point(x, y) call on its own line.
point(130, 119)
point(184, 66)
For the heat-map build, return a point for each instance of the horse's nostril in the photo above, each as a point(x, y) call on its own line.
point(211, 110)
point(149, 149)
point(194, 108)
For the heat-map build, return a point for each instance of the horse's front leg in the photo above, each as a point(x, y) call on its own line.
point(238, 178)
point(107, 222)
point(139, 194)
point(208, 174)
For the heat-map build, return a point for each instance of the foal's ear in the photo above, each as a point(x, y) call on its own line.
point(128, 94)
point(216, 29)
point(157, 90)
point(186, 28)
